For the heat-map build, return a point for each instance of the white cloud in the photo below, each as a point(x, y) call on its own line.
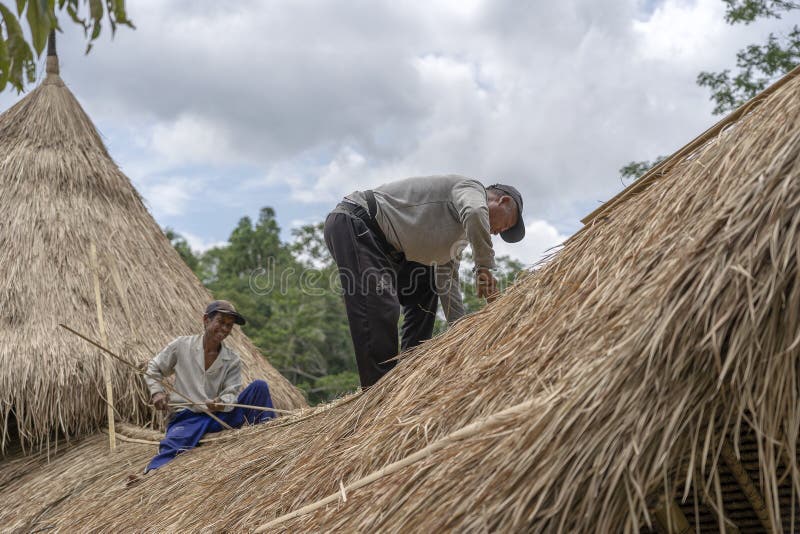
point(198, 244)
point(347, 167)
point(540, 236)
point(168, 198)
point(191, 139)
point(678, 32)
point(321, 98)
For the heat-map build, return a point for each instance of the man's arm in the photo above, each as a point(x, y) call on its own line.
point(449, 292)
point(158, 368)
point(229, 389)
point(469, 198)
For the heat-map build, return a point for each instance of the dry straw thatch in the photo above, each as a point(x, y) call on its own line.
point(624, 370)
point(59, 191)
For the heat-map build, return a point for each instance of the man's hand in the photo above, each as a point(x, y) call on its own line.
point(485, 284)
point(213, 406)
point(160, 401)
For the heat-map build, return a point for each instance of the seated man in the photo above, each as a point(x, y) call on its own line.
point(208, 372)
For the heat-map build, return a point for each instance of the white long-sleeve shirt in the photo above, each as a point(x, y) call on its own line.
point(185, 357)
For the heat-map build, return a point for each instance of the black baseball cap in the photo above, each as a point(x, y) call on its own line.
point(516, 232)
point(223, 306)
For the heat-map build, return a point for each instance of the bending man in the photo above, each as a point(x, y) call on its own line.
point(205, 370)
point(395, 246)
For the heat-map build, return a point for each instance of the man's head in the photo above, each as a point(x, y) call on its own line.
point(219, 318)
point(505, 212)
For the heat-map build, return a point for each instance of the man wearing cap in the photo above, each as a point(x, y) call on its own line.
point(398, 246)
point(208, 372)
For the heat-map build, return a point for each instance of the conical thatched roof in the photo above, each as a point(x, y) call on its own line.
point(638, 380)
point(59, 191)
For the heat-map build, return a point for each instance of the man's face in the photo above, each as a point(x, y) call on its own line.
point(218, 327)
point(502, 213)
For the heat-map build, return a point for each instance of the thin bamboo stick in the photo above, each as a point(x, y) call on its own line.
point(463, 433)
point(140, 441)
point(236, 405)
point(104, 337)
point(163, 383)
point(749, 489)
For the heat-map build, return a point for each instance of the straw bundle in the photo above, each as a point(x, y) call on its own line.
point(59, 191)
point(622, 374)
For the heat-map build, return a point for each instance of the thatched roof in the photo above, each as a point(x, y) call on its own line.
point(637, 374)
point(59, 192)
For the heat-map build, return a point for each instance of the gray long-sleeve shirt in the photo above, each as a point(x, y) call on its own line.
point(447, 287)
point(185, 357)
point(431, 219)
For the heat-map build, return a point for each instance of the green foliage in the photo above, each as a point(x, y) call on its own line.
point(746, 11)
point(17, 63)
point(758, 65)
point(636, 169)
point(184, 250)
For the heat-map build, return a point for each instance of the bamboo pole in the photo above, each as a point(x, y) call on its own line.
point(140, 441)
point(112, 443)
point(163, 383)
point(235, 405)
point(461, 434)
point(127, 439)
point(749, 489)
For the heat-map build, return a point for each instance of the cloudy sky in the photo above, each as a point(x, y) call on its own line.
point(216, 109)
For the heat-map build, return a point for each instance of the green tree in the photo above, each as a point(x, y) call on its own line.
point(757, 65)
point(636, 169)
point(17, 63)
point(184, 250)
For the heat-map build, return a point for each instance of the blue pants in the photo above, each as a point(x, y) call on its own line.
point(186, 429)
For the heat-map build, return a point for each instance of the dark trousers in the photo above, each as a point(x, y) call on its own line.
point(377, 282)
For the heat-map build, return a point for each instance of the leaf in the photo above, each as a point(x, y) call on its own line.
point(12, 24)
point(39, 23)
point(30, 69)
point(96, 9)
point(96, 30)
point(20, 6)
point(50, 9)
point(4, 63)
point(71, 11)
point(20, 55)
